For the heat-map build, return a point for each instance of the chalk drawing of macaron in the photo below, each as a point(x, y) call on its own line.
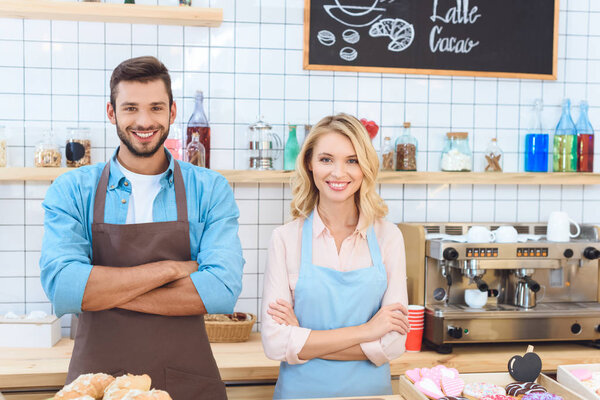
point(351, 36)
point(326, 38)
point(348, 54)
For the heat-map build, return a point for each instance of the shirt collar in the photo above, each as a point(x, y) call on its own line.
point(117, 178)
point(319, 227)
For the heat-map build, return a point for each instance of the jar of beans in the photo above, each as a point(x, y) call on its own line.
point(406, 150)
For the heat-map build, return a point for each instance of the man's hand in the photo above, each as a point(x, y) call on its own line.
point(183, 269)
point(283, 313)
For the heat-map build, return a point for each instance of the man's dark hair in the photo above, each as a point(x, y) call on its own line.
point(140, 69)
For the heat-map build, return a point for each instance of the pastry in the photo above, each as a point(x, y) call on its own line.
point(120, 387)
point(523, 388)
point(414, 375)
point(479, 389)
point(498, 397)
point(452, 386)
point(542, 396)
point(147, 395)
point(582, 374)
point(453, 398)
point(92, 385)
point(429, 388)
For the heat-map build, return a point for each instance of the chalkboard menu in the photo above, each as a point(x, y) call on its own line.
point(499, 38)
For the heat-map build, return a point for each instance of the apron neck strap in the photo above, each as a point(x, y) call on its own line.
point(180, 197)
point(307, 233)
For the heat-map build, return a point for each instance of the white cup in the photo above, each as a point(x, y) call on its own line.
point(475, 298)
point(559, 227)
point(506, 234)
point(480, 234)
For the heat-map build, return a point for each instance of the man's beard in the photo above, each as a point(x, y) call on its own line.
point(147, 153)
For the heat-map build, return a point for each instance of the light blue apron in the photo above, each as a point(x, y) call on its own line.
point(328, 299)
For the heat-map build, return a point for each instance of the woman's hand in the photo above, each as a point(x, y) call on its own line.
point(283, 313)
point(392, 317)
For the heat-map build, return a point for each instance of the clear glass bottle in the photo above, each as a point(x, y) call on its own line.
point(78, 148)
point(195, 153)
point(47, 152)
point(406, 150)
point(536, 142)
point(585, 140)
point(456, 154)
point(494, 157)
point(3, 154)
point(199, 123)
point(565, 142)
point(387, 155)
point(291, 150)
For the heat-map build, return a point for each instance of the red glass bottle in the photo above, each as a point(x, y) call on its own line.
point(585, 140)
point(199, 123)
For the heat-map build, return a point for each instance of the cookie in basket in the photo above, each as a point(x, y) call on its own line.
point(523, 388)
point(477, 390)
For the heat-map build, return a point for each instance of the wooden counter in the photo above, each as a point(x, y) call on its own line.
point(244, 362)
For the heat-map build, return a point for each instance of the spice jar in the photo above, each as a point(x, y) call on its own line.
point(387, 155)
point(406, 150)
point(47, 152)
point(456, 155)
point(493, 159)
point(2, 147)
point(78, 148)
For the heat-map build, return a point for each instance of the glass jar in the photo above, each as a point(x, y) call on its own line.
point(78, 149)
point(494, 159)
point(2, 147)
point(264, 145)
point(406, 150)
point(387, 155)
point(456, 155)
point(47, 152)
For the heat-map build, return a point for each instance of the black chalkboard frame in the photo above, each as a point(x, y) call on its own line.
point(418, 71)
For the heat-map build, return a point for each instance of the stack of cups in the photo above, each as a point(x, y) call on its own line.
point(416, 318)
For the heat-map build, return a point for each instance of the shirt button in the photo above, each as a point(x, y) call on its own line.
point(123, 201)
point(126, 183)
point(112, 186)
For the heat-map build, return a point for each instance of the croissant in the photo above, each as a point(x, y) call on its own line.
point(91, 385)
point(148, 395)
point(123, 384)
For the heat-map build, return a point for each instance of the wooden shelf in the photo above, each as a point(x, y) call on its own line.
point(107, 12)
point(418, 178)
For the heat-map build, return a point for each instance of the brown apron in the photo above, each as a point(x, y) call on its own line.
point(174, 351)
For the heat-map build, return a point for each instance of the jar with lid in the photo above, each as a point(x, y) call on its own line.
point(387, 155)
point(456, 155)
point(47, 152)
point(78, 148)
point(2, 147)
point(264, 145)
point(494, 157)
point(406, 150)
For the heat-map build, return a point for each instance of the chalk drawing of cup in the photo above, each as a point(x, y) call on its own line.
point(351, 36)
point(348, 54)
point(326, 38)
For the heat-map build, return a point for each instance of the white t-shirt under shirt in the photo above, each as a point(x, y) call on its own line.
point(144, 189)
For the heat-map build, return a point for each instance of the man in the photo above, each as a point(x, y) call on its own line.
point(142, 247)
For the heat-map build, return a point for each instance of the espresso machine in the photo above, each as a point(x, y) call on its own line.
point(536, 290)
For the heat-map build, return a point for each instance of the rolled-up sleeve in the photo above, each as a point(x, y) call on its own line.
point(280, 342)
point(65, 260)
point(220, 262)
point(391, 345)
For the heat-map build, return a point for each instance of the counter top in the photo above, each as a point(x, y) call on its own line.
point(29, 368)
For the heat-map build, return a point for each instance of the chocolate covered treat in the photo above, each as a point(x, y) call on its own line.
point(523, 388)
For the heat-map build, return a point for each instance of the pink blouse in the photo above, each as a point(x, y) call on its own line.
point(283, 343)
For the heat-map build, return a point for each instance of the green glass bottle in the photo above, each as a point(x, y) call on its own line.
point(129, 1)
point(291, 150)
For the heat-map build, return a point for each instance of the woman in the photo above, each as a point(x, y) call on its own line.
point(335, 285)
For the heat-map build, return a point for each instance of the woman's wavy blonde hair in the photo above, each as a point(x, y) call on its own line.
point(305, 193)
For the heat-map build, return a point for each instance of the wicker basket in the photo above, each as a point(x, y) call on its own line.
point(229, 331)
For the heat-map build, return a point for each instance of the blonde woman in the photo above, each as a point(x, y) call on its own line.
point(334, 300)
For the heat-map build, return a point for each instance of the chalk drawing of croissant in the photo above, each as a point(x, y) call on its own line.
point(400, 32)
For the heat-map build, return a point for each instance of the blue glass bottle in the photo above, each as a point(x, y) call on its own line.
point(536, 143)
point(565, 142)
point(585, 140)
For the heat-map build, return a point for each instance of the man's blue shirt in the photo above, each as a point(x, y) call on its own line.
point(66, 259)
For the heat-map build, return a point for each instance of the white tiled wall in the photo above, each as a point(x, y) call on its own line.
point(54, 74)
